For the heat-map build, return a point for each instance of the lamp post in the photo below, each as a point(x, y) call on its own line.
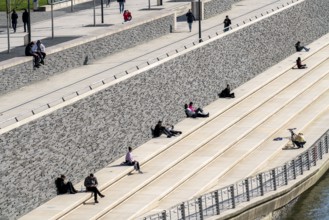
point(8, 34)
point(200, 38)
point(94, 12)
point(102, 11)
point(29, 21)
point(52, 19)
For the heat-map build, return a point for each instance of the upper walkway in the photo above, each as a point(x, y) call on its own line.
point(21, 102)
point(234, 142)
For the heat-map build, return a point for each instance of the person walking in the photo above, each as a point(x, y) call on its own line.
point(91, 185)
point(121, 5)
point(14, 18)
point(25, 18)
point(190, 18)
point(227, 23)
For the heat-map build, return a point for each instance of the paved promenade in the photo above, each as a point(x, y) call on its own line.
point(54, 88)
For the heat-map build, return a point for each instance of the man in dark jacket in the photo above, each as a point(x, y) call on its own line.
point(160, 129)
point(62, 187)
point(227, 23)
point(29, 52)
point(190, 18)
point(25, 18)
point(14, 18)
point(91, 185)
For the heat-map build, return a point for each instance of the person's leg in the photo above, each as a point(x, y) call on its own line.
point(92, 189)
point(25, 24)
point(199, 110)
point(190, 26)
point(166, 132)
point(202, 115)
point(71, 188)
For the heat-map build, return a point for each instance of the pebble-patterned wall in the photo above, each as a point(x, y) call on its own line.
point(23, 74)
point(214, 7)
point(89, 134)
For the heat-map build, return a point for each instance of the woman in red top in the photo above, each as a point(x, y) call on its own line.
point(127, 16)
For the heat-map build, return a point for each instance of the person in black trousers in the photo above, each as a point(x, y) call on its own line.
point(91, 185)
point(190, 18)
point(227, 23)
point(64, 187)
point(25, 18)
point(14, 18)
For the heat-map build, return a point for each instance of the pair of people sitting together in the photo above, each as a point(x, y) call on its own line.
point(167, 130)
point(192, 112)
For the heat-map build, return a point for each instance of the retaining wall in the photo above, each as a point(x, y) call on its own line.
point(214, 7)
point(87, 135)
point(19, 71)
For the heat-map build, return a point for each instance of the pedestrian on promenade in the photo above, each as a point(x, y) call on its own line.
point(121, 5)
point(300, 48)
point(14, 18)
point(25, 18)
point(91, 185)
point(190, 18)
point(108, 3)
point(227, 23)
point(64, 186)
point(299, 64)
point(131, 162)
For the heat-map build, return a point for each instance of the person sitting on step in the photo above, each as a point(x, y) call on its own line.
point(300, 48)
point(191, 112)
point(131, 162)
point(299, 64)
point(91, 185)
point(64, 186)
point(160, 129)
point(226, 93)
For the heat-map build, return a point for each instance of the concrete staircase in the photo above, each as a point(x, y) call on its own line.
point(211, 152)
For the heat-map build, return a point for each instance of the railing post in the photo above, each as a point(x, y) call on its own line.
point(314, 154)
point(308, 160)
point(260, 178)
point(274, 179)
point(326, 143)
point(293, 169)
point(285, 173)
point(182, 210)
point(164, 215)
point(301, 165)
point(232, 196)
point(246, 183)
point(320, 150)
point(217, 202)
point(200, 208)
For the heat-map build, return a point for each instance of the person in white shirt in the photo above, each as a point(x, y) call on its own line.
point(131, 162)
point(40, 49)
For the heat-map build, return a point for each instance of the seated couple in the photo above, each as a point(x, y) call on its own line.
point(191, 112)
point(167, 130)
point(226, 93)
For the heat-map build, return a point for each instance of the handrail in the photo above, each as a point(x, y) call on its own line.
point(229, 197)
point(104, 81)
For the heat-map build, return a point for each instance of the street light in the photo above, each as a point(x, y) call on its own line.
point(8, 34)
point(29, 21)
point(52, 19)
point(200, 38)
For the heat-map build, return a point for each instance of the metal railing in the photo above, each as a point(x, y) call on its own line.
point(97, 84)
point(229, 197)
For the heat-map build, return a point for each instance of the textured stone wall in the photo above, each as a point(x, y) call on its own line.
point(214, 7)
point(23, 74)
point(89, 134)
